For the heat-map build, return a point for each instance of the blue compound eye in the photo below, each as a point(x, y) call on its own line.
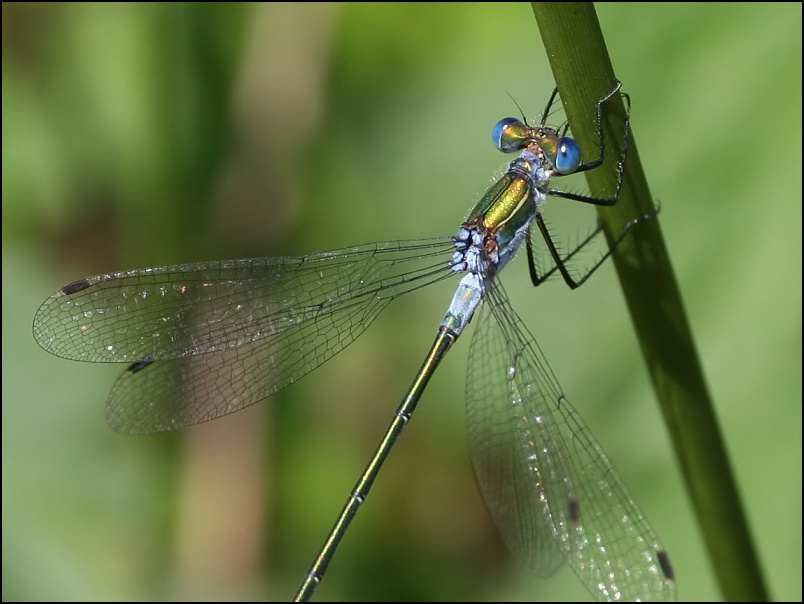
point(510, 135)
point(568, 156)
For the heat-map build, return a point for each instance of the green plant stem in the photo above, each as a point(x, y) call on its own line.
point(583, 73)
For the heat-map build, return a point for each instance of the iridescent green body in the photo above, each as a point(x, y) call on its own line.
point(207, 339)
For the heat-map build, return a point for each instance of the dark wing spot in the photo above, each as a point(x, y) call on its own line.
point(575, 511)
point(140, 365)
point(664, 562)
point(75, 287)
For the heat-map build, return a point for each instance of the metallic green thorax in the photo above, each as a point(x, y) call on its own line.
point(507, 206)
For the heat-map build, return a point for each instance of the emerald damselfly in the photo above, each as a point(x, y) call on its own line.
point(207, 339)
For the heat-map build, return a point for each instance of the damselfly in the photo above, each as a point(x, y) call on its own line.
point(204, 340)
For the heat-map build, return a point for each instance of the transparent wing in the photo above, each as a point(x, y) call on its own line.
point(551, 489)
point(207, 339)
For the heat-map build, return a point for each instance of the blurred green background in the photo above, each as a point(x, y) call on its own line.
point(149, 134)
